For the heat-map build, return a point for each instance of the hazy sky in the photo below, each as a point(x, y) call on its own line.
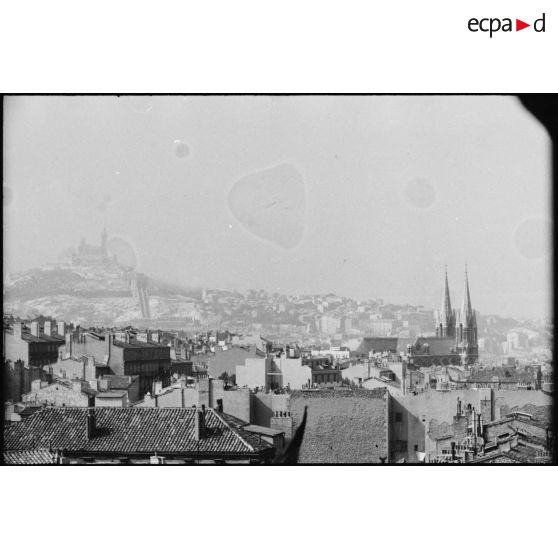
point(360, 196)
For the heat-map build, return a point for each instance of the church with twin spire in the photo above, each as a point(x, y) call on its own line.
point(455, 341)
point(460, 326)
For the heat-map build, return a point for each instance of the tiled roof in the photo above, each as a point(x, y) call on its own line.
point(504, 374)
point(137, 344)
point(263, 430)
point(377, 344)
point(28, 457)
point(56, 337)
point(28, 411)
point(496, 457)
point(437, 345)
point(376, 393)
point(121, 382)
point(130, 430)
point(253, 438)
point(116, 394)
point(26, 336)
point(519, 453)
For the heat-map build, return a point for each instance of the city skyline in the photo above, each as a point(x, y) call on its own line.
point(365, 197)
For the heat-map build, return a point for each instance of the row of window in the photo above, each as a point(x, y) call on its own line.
point(35, 348)
point(321, 378)
point(137, 367)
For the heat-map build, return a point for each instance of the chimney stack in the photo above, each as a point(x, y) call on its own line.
point(61, 328)
point(47, 328)
point(69, 343)
point(474, 422)
point(9, 409)
point(199, 423)
point(34, 328)
point(91, 426)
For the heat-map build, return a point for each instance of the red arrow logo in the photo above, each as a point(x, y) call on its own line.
point(519, 25)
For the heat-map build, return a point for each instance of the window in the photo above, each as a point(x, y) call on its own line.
point(398, 417)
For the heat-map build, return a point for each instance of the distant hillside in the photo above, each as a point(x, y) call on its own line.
point(93, 294)
point(46, 282)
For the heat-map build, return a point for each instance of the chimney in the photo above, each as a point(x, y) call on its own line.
point(76, 385)
point(199, 423)
point(47, 328)
point(34, 328)
point(90, 426)
point(403, 377)
point(61, 328)
point(110, 342)
point(89, 368)
point(68, 337)
point(9, 409)
point(474, 423)
point(17, 330)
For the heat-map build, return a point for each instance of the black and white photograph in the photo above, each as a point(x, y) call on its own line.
point(276, 280)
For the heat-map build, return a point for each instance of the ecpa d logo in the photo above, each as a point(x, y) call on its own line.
point(492, 25)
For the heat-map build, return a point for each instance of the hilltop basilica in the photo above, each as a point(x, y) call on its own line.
point(89, 254)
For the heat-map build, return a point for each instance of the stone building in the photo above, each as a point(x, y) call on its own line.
point(127, 356)
point(33, 345)
point(205, 391)
point(60, 393)
point(273, 373)
point(423, 426)
point(17, 379)
point(227, 361)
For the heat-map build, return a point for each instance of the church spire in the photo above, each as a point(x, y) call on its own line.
point(446, 302)
point(466, 306)
point(466, 333)
point(446, 316)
